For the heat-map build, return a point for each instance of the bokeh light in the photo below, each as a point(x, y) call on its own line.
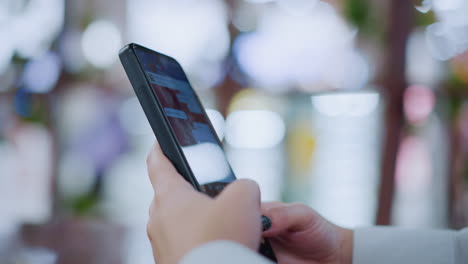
point(207, 162)
point(460, 67)
point(33, 196)
point(288, 50)
point(174, 24)
point(344, 166)
point(259, 1)
point(446, 5)
point(100, 43)
point(414, 176)
point(217, 119)
point(41, 74)
point(245, 18)
point(133, 118)
point(419, 102)
point(28, 28)
point(34, 25)
point(447, 37)
point(9, 164)
point(346, 104)
point(76, 175)
point(422, 67)
point(6, 53)
point(414, 170)
point(297, 7)
point(423, 6)
point(254, 129)
point(441, 41)
point(72, 52)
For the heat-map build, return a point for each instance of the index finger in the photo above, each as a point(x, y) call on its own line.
point(289, 217)
point(266, 206)
point(162, 174)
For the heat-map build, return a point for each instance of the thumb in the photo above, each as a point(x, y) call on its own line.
point(242, 191)
point(241, 196)
point(289, 218)
point(163, 176)
point(239, 204)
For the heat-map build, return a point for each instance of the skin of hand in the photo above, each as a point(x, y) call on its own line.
point(299, 235)
point(182, 218)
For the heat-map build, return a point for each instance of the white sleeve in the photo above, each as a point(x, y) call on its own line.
point(223, 252)
point(462, 246)
point(393, 245)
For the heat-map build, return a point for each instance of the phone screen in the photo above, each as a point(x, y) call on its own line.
point(188, 121)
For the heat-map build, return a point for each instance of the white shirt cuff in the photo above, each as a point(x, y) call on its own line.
point(393, 245)
point(223, 252)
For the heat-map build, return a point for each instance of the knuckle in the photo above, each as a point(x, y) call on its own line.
point(153, 161)
point(170, 190)
point(151, 165)
point(250, 188)
point(278, 214)
point(159, 197)
point(251, 184)
point(257, 193)
point(150, 208)
point(300, 206)
point(166, 189)
point(154, 208)
point(149, 231)
point(149, 158)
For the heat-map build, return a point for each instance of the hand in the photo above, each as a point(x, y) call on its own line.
point(182, 218)
point(299, 235)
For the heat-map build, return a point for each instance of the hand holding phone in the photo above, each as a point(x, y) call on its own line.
point(180, 123)
point(176, 224)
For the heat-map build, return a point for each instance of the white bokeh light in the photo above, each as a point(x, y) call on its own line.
point(424, 6)
point(254, 129)
point(6, 51)
point(193, 32)
point(28, 27)
point(36, 26)
point(259, 1)
point(441, 41)
point(133, 118)
point(245, 16)
point(42, 73)
point(345, 162)
point(346, 104)
point(287, 50)
point(34, 150)
point(101, 43)
point(72, 53)
point(448, 37)
point(76, 175)
point(207, 162)
point(422, 67)
point(217, 120)
point(297, 7)
point(444, 5)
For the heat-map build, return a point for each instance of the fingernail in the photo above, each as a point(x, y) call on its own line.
point(266, 223)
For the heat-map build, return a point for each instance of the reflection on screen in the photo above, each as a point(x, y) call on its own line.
point(188, 121)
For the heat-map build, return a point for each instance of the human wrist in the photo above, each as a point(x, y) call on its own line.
point(346, 246)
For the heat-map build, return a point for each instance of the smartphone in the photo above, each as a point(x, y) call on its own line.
point(179, 121)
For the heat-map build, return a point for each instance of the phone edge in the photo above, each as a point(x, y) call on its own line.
point(154, 113)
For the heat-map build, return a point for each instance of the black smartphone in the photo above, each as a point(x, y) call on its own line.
point(179, 121)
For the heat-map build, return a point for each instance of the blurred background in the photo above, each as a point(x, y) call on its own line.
point(357, 108)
